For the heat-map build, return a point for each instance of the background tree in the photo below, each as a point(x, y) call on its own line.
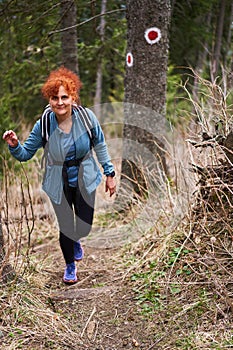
point(201, 36)
point(99, 74)
point(110, 51)
point(69, 39)
point(218, 38)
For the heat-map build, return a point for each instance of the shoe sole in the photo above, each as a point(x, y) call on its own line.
point(70, 281)
point(79, 259)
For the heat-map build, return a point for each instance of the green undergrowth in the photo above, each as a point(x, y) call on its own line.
point(177, 296)
point(107, 219)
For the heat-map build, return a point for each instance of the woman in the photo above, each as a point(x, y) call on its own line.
point(71, 173)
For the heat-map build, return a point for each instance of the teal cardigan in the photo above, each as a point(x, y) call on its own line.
point(53, 181)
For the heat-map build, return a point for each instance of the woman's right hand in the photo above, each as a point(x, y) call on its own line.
point(11, 138)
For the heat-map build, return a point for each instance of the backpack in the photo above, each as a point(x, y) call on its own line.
point(45, 126)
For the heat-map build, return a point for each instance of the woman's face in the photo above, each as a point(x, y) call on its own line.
point(61, 104)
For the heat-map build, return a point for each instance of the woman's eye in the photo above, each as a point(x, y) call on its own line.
point(56, 98)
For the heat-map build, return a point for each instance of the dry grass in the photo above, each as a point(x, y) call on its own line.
point(181, 269)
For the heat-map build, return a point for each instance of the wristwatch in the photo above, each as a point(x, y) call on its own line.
point(112, 174)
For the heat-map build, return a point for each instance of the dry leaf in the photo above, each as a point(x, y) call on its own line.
point(90, 329)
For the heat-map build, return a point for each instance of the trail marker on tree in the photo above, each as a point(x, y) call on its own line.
point(152, 35)
point(129, 59)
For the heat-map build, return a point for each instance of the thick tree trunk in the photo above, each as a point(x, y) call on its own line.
point(69, 36)
point(145, 82)
point(145, 88)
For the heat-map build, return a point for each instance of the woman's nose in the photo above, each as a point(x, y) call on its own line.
point(60, 102)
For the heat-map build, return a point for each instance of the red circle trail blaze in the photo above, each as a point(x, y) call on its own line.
point(152, 35)
point(129, 59)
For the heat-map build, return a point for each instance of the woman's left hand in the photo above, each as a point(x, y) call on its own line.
point(110, 185)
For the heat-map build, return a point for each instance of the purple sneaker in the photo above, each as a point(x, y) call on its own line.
point(78, 251)
point(70, 274)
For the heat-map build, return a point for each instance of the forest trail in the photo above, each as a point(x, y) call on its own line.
point(101, 306)
point(100, 312)
point(140, 284)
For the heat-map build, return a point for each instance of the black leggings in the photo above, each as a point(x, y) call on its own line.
point(75, 217)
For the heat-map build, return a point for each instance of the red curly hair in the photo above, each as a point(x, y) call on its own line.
point(62, 77)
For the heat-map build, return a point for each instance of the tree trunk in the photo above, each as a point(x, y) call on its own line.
point(69, 36)
point(218, 39)
point(145, 89)
point(201, 61)
point(99, 75)
point(228, 56)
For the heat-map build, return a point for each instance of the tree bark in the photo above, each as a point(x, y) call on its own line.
point(145, 82)
point(69, 36)
point(145, 89)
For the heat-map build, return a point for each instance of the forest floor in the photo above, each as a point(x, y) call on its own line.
point(144, 283)
point(101, 306)
point(99, 312)
point(121, 301)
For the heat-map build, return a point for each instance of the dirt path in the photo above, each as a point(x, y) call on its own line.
point(98, 313)
point(101, 307)
point(104, 305)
